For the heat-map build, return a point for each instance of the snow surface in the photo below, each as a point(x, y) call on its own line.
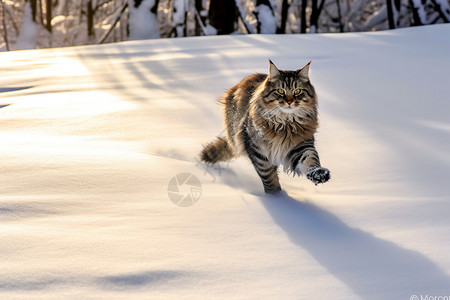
point(91, 137)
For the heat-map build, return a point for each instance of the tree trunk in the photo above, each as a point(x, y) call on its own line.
point(222, 15)
point(341, 26)
point(313, 17)
point(303, 16)
point(392, 13)
point(441, 11)
point(90, 19)
point(315, 13)
point(5, 30)
point(154, 9)
point(40, 9)
point(199, 9)
point(116, 20)
point(33, 4)
point(48, 15)
point(284, 14)
point(417, 20)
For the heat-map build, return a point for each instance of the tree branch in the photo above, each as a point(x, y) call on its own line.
point(119, 15)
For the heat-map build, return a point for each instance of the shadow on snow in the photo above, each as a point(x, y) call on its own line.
point(14, 89)
point(142, 280)
point(372, 267)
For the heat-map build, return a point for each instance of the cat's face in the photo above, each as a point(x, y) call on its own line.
point(288, 92)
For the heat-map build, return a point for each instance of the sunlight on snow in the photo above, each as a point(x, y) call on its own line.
point(436, 125)
point(56, 146)
point(69, 105)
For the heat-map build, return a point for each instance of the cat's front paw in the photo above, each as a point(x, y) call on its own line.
point(318, 175)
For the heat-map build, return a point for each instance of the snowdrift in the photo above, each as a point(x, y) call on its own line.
point(92, 139)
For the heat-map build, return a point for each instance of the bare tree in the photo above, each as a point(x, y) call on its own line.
point(5, 30)
point(90, 19)
point(418, 12)
point(341, 26)
point(33, 4)
point(316, 9)
point(222, 15)
point(443, 13)
point(303, 16)
point(86, 21)
point(48, 15)
point(443, 9)
point(114, 23)
point(393, 9)
point(200, 18)
point(284, 15)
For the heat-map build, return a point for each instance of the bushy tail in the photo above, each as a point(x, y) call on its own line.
point(217, 150)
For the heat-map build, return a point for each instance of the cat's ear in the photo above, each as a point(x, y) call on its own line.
point(273, 70)
point(304, 72)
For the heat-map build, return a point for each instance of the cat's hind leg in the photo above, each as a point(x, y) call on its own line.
point(216, 151)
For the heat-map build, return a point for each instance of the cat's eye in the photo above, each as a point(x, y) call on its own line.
point(297, 92)
point(280, 91)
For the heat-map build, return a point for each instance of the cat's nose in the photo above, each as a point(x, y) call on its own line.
point(289, 101)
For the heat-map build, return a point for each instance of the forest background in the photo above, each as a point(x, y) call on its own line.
point(29, 24)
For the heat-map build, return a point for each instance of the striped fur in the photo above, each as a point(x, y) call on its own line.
point(271, 119)
point(216, 151)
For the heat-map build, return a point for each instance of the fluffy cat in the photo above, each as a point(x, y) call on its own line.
point(271, 118)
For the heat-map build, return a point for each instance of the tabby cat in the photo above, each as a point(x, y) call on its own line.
point(272, 119)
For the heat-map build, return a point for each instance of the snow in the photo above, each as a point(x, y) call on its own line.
point(28, 31)
point(445, 7)
point(210, 30)
point(241, 11)
point(143, 24)
point(180, 8)
point(92, 136)
point(420, 11)
point(267, 19)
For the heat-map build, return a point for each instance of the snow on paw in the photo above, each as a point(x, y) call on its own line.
point(318, 175)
